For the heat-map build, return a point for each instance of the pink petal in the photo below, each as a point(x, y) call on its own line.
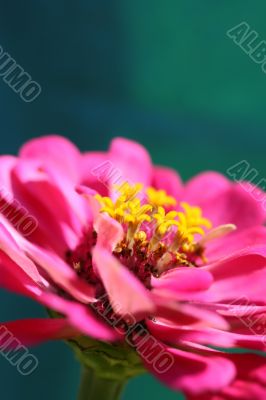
point(132, 161)
point(15, 279)
point(126, 293)
point(55, 151)
point(109, 232)
point(167, 179)
point(257, 193)
point(86, 191)
point(235, 242)
point(10, 247)
point(191, 372)
point(89, 195)
point(187, 313)
point(176, 335)
point(67, 187)
point(61, 160)
point(35, 331)
point(223, 201)
point(96, 171)
point(205, 186)
point(41, 187)
point(61, 273)
point(251, 378)
point(19, 278)
point(79, 316)
point(182, 282)
point(33, 187)
point(237, 276)
point(173, 312)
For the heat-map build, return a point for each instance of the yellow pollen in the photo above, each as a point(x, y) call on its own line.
point(140, 236)
point(182, 259)
point(147, 223)
point(194, 216)
point(113, 209)
point(159, 198)
point(135, 213)
point(191, 222)
point(128, 192)
point(164, 221)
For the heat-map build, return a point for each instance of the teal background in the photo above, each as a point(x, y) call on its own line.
point(161, 72)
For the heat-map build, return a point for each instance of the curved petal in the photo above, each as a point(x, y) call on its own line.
point(11, 249)
point(168, 179)
point(109, 232)
point(251, 377)
point(96, 170)
point(238, 275)
point(132, 161)
point(192, 373)
point(127, 294)
point(257, 193)
point(182, 282)
point(43, 199)
point(250, 382)
point(223, 201)
point(176, 335)
point(61, 160)
point(89, 195)
point(35, 331)
point(61, 273)
point(80, 317)
point(15, 279)
point(22, 252)
point(56, 151)
point(235, 242)
point(187, 314)
point(205, 186)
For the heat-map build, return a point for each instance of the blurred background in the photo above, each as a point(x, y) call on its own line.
point(161, 72)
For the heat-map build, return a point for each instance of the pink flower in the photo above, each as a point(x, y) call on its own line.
point(124, 252)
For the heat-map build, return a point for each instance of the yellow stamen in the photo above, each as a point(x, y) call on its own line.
point(163, 222)
point(114, 210)
point(128, 192)
point(159, 198)
point(140, 236)
point(194, 216)
point(139, 218)
point(135, 213)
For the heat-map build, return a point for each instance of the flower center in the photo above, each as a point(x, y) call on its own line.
point(158, 235)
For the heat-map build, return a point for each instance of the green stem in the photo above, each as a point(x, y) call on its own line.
point(92, 387)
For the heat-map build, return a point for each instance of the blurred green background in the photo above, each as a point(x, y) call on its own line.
point(161, 72)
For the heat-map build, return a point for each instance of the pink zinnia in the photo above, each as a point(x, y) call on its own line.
point(154, 273)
